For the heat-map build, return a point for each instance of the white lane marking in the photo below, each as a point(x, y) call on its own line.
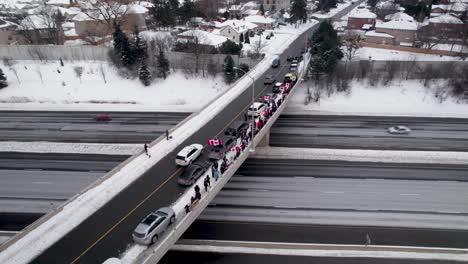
point(39, 182)
point(410, 194)
point(334, 192)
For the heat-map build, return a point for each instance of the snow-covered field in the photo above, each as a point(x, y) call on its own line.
point(366, 53)
point(333, 11)
point(401, 98)
point(36, 85)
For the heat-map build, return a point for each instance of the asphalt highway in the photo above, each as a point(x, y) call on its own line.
point(63, 126)
point(108, 231)
point(35, 183)
point(370, 132)
point(235, 258)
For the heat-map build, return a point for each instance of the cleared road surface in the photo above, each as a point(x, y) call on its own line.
point(32, 184)
point(369, 132)
point(63, 126)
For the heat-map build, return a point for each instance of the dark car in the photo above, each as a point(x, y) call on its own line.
point(290, 58)
point(103, 117)
point(236, 128)
point(217, 152)
point(194, 171)
point(269, 79)
point(276, 87)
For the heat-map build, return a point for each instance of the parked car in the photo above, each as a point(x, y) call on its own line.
point(276, 87)
point(290, 78)
point(269, 97)
point(399, 130)
point(256, 108)
point(293, 67)
point(236, 128)
point(296, 60)
point(269, 79)
point(103, 117)
point(153, 226)
point(276, 62)
point(194, 171)
point(188, 154)
point(290, 58)
point(217, 152)
point(268, 37)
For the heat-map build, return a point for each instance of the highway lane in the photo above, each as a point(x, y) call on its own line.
point(235, 258)
point(32, 184)
point(370, 132)
point(63, 126)
point(325, 234)
point(108, 231)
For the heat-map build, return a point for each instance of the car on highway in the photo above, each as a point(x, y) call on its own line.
point(153, 226)
point(290, 77)
point(217, 152)
point(399, 130)
point(256, 108)
point(105, 117)
point(293, 67)
point(269, 79)
point(276, 62)
point(237, 128)
point(193, 172)
point(276, 87)
point(290, 58)
point(188, 154)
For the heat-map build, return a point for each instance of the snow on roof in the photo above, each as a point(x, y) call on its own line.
point(81, 17)
point(397, 24)
point(377, 34)
point(58, 2)
point(35, 22)
point(145, 4)
point(251, 12)
point(259, 19)
point(238, 25)
point(4, 24)
point(457, 7)
point(204, 37)
point(235, 7)
point(400, 16)
point(137, 9)
point(70, 33)
point(286, 15)
point(362, 13)
point(445, 19)
point(406, 44)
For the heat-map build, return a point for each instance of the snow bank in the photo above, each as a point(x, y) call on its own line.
point(41, 85)
point(401, 98)
point(361, 155)
point(75, 148)
point(365, 53)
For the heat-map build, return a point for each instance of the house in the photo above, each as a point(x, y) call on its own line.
point(261, 21)
point(41, 29)
point(276, 4)
point(379, 38)
point(251, 12)
point(456, 8)
point(360, 17)
point(447, 25)
point(235, 11)
point(232, 29)
point(59, 3)
point(403, 31)
point(8, 33)
point(401, 16)
point(202, 38)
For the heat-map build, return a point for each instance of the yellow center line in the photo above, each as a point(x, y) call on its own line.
point(157, 188)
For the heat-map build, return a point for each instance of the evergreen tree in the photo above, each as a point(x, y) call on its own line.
point(128, 53)
point(144, 74)
point(247, 39)
point(230, 47)
point(325, 5)
point(298, 11)
point(141, 48)
point(244, 68)
point(241, 38)
point(187, 11)
point(262, 9)
point(372, 4)
point(163, 64)
point(228, 65)
point(325, 49)
point(3, 79)
point(119, 39)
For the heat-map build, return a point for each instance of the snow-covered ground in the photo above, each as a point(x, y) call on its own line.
point(77, 148)
point(366, 53)
point(400, 98)
point(36, 84)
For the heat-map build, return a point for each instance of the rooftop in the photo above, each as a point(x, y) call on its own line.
point(445, 19)
point(398, 24)
point(259, 19)
point(377, 34)
point(362, 13)
point(204, 37)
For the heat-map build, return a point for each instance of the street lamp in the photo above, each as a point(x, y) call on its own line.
point(252, 127)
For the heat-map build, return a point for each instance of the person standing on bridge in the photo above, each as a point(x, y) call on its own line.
point(368, 240)
point(146, 150)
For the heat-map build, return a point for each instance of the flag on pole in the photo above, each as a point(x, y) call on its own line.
point(214, 142)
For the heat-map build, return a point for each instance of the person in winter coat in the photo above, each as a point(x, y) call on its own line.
point(215, 173)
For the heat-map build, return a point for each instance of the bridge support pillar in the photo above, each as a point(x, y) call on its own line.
point(265, 141)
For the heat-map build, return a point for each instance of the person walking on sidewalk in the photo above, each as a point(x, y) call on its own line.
point(146, 150)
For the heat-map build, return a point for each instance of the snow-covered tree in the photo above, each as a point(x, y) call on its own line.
point(144, 74)
point(163, 64)
point(325, 49)
point(298, 11)
point(3, 79)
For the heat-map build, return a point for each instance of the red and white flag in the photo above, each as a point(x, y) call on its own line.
point(214, 142)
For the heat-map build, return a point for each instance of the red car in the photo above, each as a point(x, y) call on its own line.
point(103, 117)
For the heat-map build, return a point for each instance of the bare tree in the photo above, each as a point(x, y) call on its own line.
point(78, 71)
point(44, 27)
point(351, 44)
point(107, 12)
point(430, 37)
point(258, 47)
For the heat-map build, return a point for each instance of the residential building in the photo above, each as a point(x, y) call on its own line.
point(201, 38)
point(59, 3)
point(379, 38)
point(8, 33)
point(403, 31)
point(261, 21)
point(361, 18)
point(41, 29)
point(276, 4)
point(232, 29)
point(447, 25)
point(456, 8)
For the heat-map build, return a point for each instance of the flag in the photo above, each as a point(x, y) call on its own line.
point(214, 142)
